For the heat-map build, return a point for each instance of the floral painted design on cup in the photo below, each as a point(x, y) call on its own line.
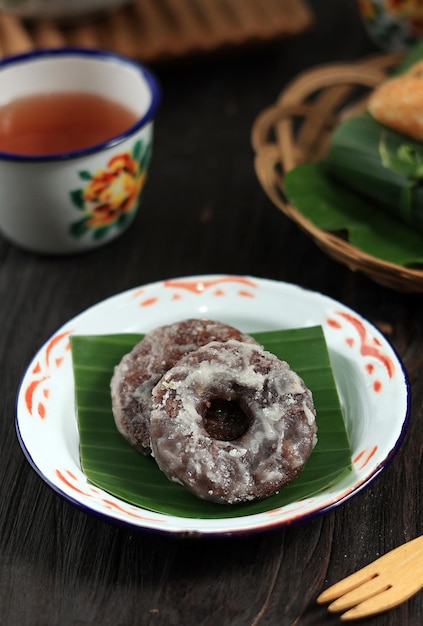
point(393, 24)
point(111, 195)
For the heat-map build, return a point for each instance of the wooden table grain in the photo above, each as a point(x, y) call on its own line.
point(203, 212)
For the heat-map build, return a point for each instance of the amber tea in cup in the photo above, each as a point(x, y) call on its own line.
point(76, 133)
point(55, 123)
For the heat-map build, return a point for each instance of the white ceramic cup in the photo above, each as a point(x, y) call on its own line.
point(47, 203)
point(393, 24)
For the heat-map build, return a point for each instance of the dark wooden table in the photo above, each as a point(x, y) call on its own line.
point(203, 212)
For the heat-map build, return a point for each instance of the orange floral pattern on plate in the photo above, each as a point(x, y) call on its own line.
point(369, 347)
point(37, 390)
point(247, 288)
point(71, 481)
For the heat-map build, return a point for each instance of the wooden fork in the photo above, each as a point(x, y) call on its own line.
point(381, 585)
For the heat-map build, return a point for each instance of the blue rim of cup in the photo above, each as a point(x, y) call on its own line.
point(145, 72)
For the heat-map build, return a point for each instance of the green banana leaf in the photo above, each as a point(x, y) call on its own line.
point(335, 208)
point(380, 163)
point(110, 463)
point(414, 55)
point(368, 189)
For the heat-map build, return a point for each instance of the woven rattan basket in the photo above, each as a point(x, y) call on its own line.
point(296, 129)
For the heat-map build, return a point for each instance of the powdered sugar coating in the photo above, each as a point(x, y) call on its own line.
point(279, 409)
point(139, 370)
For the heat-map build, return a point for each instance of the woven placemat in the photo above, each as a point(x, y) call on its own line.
point(296, 129)
point(160, 30)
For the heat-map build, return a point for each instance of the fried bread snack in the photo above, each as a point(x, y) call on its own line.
point(398, 103)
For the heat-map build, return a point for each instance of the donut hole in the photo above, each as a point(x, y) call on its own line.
point(224, 419)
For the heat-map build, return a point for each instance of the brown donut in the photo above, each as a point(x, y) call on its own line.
point(271, 404)
point(140, 369)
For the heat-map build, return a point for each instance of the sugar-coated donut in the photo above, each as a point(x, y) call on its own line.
point(270, 402)
point(139, 370)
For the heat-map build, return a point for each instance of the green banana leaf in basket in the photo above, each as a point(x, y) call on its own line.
point(368, 188)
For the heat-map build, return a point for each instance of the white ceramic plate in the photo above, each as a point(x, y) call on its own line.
point(372, 384)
